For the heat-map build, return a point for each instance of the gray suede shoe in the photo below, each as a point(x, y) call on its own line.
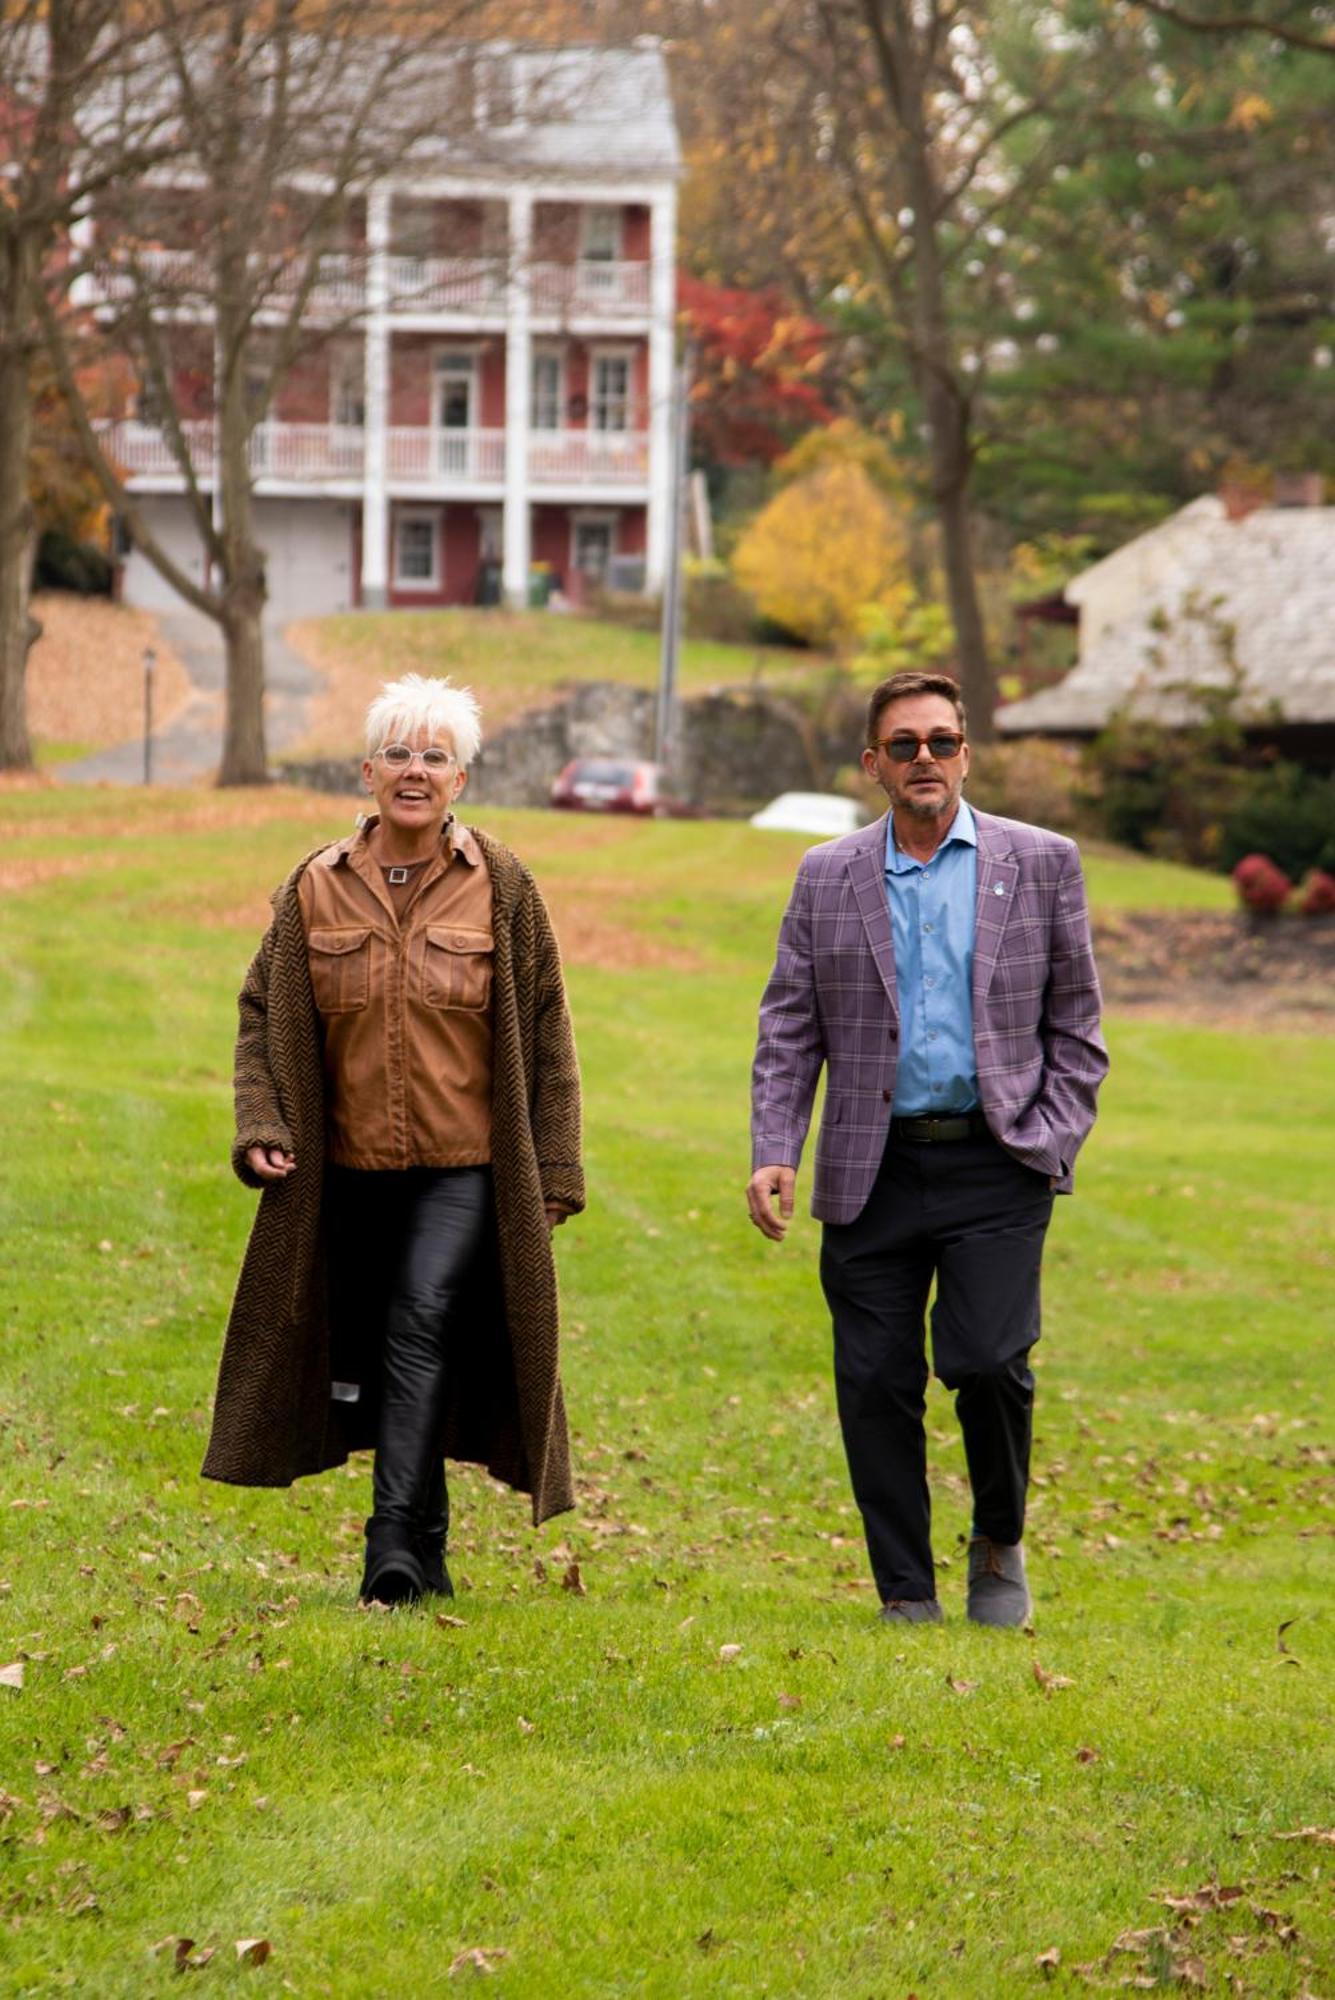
point(998, 1589)
point(911, 1611)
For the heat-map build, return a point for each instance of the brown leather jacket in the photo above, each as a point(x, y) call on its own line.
point(405, 1005)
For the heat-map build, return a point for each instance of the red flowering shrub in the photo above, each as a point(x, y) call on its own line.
point(1318, 899)
point(1262, 888)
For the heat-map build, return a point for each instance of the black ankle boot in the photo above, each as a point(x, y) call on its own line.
point(393, 1573)
point(431, 1554)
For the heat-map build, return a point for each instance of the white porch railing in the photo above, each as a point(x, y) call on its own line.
point(446, 284)
point(438, 457)
point(591, 286)
point(182, 279)
point(415, 285)
point(588, 458)
point(277, 450)
point(416, 454)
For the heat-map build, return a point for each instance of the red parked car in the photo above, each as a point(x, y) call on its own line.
point(612, 784)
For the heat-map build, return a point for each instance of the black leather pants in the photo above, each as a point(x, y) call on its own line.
point(446, 1228)
point(404, 1248)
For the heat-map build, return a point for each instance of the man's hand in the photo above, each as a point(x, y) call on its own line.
point(270, 1163)
point(557, 1213)
point(764, 1184)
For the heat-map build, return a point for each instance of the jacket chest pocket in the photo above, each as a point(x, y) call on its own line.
point(340, 963)
point(456, 969)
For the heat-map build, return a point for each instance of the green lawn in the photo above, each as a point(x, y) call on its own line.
point(515, 660)
point(595, 1794)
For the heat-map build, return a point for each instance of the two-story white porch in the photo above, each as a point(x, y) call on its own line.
point(487, 391)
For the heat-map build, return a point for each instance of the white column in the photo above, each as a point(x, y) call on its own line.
point(516, 532)
point(375, 468)
point(662, 360)
point(83, 234)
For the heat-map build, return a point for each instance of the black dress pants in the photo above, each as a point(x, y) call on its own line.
point(969, 1215)
point(404, 1251)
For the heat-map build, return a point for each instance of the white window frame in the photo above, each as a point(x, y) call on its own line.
point(347, 377)
point(457, 459)
point(597, 356)
point(402, 517)
point(592, 215)
point(547, 354)
point(593, 517)
point(490, 534)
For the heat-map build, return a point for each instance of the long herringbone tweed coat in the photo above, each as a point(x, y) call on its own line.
point(273, 1418)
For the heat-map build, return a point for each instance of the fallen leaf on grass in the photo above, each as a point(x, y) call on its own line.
point(729, 1652)
point(526, 1727)
point(1281, 1643)
point(572, 1580)
point(195, 1800)
point(478, 1958)
point(12, 1676)
point(790, 1701)
point(1087, 1754)
point(1048, 1961)
point(1214, 1896)
point(1049, 1682)
point(897, 1742)
point(960, 1687)
point(1325, 1835)
point(252, 1951)
point(448, 1618)
point(9, 1805)
point(114, 1819)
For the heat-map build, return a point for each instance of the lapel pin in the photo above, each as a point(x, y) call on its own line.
point(998, 888)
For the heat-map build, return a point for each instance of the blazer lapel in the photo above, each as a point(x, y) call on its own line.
point(866, 872)
point(997, 877)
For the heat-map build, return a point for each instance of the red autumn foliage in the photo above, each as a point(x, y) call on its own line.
point(1318, 894)
point(1262, 887)
point(759, 372)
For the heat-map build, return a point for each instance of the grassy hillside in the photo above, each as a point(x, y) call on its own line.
point(713, 1773)
point(515, 661)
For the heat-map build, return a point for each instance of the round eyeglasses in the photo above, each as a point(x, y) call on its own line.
point(398, 756)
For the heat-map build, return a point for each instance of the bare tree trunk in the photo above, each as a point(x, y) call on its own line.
point(945, 400)
point(17, 628)
point(244, 759)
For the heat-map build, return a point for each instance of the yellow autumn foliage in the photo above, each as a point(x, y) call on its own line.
point(824, 548)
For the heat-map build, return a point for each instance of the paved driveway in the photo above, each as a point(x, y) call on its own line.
point(190, 747)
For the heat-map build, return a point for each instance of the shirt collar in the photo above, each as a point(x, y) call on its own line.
point(963, 831)
point(455, 838)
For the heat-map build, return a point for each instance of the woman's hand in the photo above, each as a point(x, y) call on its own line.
point(270, 1163)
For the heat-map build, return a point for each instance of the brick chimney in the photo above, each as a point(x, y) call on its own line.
point(1299, 489)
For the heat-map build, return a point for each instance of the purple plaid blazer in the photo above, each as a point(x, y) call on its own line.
point(831, 1000)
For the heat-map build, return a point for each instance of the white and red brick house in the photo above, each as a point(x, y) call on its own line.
point(495, 389)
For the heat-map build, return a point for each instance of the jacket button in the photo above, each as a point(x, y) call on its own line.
point(894, 1034)
point(885, 1097)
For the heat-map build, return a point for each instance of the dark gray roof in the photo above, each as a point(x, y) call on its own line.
point(1167, 601)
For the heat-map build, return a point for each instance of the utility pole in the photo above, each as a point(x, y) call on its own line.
point(671, 620)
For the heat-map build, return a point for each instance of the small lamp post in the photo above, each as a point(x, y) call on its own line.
point(150, 661)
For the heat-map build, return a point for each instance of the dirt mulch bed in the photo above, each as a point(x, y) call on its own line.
point(1219, 967)
point(86, 672)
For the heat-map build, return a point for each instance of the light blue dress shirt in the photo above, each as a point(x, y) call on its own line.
point(932, 920)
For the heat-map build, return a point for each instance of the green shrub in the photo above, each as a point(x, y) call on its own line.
point(1287, 813)
point(66, 564)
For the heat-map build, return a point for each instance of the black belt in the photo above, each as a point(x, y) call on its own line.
point(930, 1131)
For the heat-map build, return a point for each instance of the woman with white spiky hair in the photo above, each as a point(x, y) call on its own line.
point(407, 1101)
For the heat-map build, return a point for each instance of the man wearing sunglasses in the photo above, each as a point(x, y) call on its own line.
point(938, 965)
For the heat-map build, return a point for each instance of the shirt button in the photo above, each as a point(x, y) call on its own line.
point(931, 1034)
point(885, 1097)
point(927, 930)
point(929, 980)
